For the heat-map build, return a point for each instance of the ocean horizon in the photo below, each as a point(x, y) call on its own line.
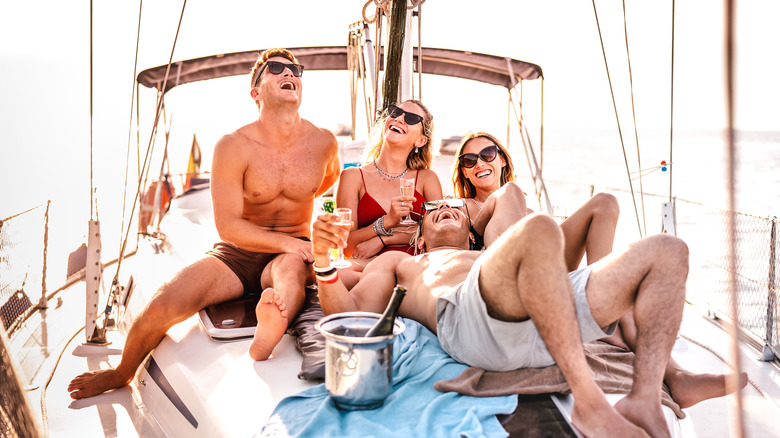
point(576, 162)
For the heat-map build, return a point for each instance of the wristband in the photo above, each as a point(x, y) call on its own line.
point(381, 240)
point(328, 279)
point(323, 269)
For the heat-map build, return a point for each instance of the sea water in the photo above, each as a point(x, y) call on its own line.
point(573, 161)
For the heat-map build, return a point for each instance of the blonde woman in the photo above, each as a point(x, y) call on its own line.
point(401, 146)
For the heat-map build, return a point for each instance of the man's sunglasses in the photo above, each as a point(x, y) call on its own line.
point(409, 118)
point(435, 205)
point(277, 68)
point(487, 155)
point(458, 203)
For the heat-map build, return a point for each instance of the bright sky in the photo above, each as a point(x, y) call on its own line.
point(44, 86)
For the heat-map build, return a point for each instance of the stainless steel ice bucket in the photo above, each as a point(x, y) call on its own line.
point(358, 370)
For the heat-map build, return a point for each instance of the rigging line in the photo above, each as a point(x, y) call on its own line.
point(122, 244)
point(24, 212)
point(365, 50)
point(671, 106)
point(633, 114)
point(377, 63)
point(419, 50)
point(539, 185)
point(617, 119)
point(738, 428)
point(144, 168)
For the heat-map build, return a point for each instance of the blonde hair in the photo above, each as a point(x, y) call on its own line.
point(463, 188)
point(415, 160)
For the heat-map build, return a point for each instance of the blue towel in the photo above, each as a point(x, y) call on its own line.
point(413, 409)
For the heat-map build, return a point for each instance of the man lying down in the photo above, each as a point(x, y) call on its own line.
point(515, 305)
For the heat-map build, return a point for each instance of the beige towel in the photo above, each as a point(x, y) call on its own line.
point(612, 367)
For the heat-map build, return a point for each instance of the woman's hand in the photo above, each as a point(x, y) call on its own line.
point(400, 207)
point(368, 248)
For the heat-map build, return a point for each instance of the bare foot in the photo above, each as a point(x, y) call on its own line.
point(271, 324)
point(647, 415)
point(688, 388)
point(603, 421)
point(96, 382)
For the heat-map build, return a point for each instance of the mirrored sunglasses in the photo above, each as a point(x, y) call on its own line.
point(409, 117)
point(487, 155)
point(435, 205)
point(277, 68)
point(456, 203)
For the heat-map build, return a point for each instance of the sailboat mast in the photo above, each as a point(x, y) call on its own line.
point(395, 50)
point(737, 425)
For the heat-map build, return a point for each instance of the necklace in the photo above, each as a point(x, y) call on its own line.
point(386, 175)
point(475, 203)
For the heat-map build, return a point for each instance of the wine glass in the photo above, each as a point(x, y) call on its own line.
point(407, 189)
point(345, 221)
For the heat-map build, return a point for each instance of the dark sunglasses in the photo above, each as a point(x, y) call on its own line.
point(487, 155)
point(409, 118)
point(277, 68)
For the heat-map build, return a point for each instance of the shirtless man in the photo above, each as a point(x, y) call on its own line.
point(264, 179)
point(513, 306)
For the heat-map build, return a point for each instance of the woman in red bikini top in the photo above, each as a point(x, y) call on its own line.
point(400, 146)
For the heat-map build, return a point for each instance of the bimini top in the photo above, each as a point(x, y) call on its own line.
point(480, 67)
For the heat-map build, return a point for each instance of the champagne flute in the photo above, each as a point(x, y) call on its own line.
point(407, 189)
point(345, 221)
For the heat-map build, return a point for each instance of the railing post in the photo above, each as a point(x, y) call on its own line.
point(768, 354)
point(42, 302)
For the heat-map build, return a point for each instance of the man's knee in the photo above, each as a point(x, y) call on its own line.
point(291, 265)
point(671, 251)
point(542, 228)
point(606, 205)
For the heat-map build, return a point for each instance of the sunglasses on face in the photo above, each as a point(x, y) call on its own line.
point(409, 117)
point(487, 155)
point(458, 203)
point(455, 203)
point(277, 68)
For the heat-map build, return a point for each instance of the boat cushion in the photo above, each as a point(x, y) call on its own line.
point(231, 320)
point(612, 367)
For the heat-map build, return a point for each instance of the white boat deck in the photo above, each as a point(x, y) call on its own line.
point(260, 385)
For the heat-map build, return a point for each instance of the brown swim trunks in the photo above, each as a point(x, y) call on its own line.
point(247, 265)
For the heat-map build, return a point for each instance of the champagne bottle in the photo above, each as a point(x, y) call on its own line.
point(384, 326)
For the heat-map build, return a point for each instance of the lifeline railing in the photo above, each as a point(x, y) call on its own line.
point(24, 244)
point(703, 228)
point(23, 248)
